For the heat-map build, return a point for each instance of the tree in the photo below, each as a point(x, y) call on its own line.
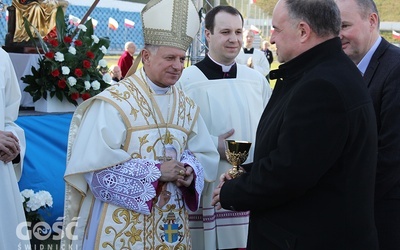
point(266, 5)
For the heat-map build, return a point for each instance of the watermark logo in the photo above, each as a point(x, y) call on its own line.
point(46, 247)
point(43, 231)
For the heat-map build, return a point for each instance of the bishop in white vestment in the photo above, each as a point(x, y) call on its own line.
point(117, 141)
point(136, 151)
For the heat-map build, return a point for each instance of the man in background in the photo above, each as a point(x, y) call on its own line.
point(379, 62)
point(116, 73)
point(311, 183)
point(231, 98)
point(268, 53)
point(125, 61)
point(252, 57)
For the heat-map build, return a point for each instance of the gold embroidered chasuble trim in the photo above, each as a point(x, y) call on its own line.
point(167, 226)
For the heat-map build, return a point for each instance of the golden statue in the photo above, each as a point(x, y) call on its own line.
point(40, 13)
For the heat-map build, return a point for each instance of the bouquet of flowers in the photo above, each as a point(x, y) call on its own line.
point(32, 202)
point(72, 66)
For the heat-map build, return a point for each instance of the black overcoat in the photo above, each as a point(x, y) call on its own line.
point(311, 185)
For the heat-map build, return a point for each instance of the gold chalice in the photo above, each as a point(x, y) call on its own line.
point(236, 153)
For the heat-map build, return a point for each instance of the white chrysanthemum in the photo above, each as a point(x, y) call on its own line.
point(103, 49)
point(95, 39)
point(72, 50)
point(87, 85)
point(45, 198)
point(82, 27)
point(59, 57)
point(95, 85)
point(65, 70)
point(72, 80)
point(27, 193)
point(103, 63)
point(34, 203)
point(107, 78)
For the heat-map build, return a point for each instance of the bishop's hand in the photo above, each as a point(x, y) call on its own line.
point(172, 171)
point(187, 178)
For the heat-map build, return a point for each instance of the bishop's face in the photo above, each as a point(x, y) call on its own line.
point(226, 40)
point(164, 65)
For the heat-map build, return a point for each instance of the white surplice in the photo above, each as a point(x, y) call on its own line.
point(119, 126)
point(13, 231)
point(260, 62)
point(224, 104)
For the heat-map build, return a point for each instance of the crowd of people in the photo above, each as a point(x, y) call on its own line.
point(147, 166)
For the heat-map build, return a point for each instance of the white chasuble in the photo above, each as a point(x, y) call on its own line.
point(129, 123)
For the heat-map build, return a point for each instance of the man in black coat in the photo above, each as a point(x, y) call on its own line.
point(379, 62)
point(311, 184)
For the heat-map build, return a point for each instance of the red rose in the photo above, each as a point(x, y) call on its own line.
point(75, 96)
point(49, 55)
point(62, 84)
point(78, 42)
point(86, 64)
point(78, 72)
point(54, 43)
point(51, 35)
point(85, 96)
point(55, 73)
point(67, 39)
point(90, 54)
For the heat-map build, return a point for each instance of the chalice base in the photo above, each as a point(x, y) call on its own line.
point(235, 172)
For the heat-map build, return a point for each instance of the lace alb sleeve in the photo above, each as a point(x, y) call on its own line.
point(190, 159)
point(128, 185)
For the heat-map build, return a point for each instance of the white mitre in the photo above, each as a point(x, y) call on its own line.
point(170, 23)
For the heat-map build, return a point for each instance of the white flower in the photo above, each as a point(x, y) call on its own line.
point(87, 85)
point(65, 70)
point(95, 85)
point(27, 193)
point(59, 57)
point(35, 201)
point(45, 198)
point(82, 27)
point(107, 78)
point(103, 49)
point(72, 80)
point(72, 50)
point(103, 63)
point(95, 39)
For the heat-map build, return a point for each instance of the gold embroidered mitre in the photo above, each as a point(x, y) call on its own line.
point(170, 23)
